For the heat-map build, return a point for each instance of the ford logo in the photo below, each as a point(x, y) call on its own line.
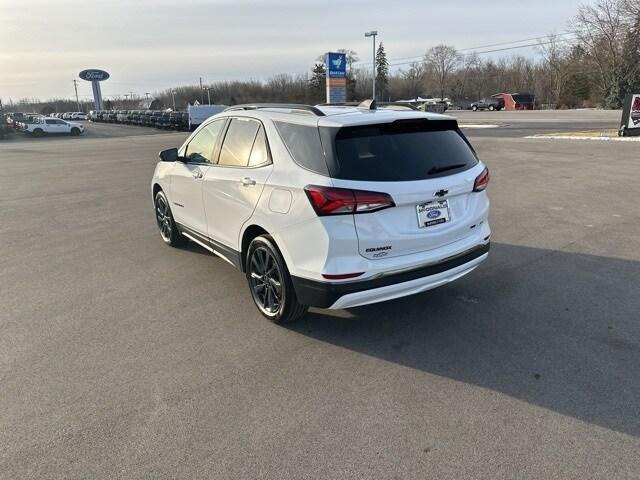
point(93, 74)
point(434, 214)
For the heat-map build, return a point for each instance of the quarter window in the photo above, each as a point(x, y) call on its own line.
point(200, 148)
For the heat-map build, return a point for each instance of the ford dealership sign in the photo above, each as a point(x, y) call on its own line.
point(93, 75)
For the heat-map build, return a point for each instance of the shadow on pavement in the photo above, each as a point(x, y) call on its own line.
point(555, 329)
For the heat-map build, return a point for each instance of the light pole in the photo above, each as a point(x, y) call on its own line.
point(208, 94)
point(373, 34)
point(173, 96)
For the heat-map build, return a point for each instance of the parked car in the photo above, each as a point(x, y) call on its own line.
point(179, 120)
point(164, 122)
point(155, 117)
point(45, 125)
point(78, 116)
point(334, 209)
point(489, 103)
point(145, 118)
point(121, 116)
point(134, 115)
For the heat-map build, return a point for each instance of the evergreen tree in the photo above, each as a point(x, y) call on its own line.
point(382, 72)
point(318, 81)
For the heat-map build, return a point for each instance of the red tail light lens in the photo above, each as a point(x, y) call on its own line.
point(344, 201)
point(482, 181)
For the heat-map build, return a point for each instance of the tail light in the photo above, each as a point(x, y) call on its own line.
point(344, 201)
point(482, 181)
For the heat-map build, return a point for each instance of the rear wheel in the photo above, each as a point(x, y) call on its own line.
point(474, 108)
point(270, 282)
point(164, 218)
point(491, 108)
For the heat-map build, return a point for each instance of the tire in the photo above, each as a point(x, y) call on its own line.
point(270, 283)
point(167, 225)
point(474, 108)
point(75, 131)
point(38, 132)
point(491, 108)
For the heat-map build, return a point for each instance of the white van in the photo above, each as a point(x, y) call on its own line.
point(199, 113)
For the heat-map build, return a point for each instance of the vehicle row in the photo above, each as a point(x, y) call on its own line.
point(167, 120)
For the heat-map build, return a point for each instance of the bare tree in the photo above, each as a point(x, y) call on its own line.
point(414, 78)
point(443, 60)
point(600, 27)
point(554, 55)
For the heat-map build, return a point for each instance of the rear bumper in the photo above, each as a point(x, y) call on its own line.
point(352, 294)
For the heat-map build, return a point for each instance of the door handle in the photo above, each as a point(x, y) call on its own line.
point(197, 174)
point(248, 181)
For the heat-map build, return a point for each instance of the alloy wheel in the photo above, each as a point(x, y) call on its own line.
point(266, 281)
point(163, 217)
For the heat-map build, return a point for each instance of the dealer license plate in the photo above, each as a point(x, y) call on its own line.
point(433, 213)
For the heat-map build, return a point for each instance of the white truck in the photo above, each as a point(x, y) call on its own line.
point(199, 113)
point(41, 125)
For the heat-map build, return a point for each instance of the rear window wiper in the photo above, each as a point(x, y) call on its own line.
point(435, 170)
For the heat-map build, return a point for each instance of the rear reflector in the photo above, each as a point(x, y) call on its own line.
point(482, 181)
point(344, 201)
point(341, 276)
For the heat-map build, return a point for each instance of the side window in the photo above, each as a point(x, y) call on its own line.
point(200, 148)
point(260, 151)
point(51, 122)
point(238, 142)
point(303, 143)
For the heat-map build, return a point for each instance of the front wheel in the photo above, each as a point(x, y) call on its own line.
point(38, 132)
point(491, 108)
point(75, 131)
point(270, 282)
point(164, 218)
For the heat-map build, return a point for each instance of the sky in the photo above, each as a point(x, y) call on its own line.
point(151, 45)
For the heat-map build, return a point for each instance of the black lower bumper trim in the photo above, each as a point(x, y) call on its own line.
point(323, 294)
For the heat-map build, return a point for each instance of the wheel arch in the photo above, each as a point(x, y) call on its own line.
point(251, 232)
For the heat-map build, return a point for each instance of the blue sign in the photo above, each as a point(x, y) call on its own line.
point(336, 65)
point(93, 75)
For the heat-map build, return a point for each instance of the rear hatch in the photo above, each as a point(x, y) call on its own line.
point(427, 167)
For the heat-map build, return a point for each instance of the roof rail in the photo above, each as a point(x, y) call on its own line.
point(389, 105)
point(287, 106)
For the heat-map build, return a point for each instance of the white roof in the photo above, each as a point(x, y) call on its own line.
point(338, 116)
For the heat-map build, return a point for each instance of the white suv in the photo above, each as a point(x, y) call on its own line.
point(328, 206)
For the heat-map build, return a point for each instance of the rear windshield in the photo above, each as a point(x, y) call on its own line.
point(401, 151)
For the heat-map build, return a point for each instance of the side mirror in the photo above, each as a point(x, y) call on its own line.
point(169, 155)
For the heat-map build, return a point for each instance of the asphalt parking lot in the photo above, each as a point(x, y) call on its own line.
point(522, 124)
point(123, 358)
